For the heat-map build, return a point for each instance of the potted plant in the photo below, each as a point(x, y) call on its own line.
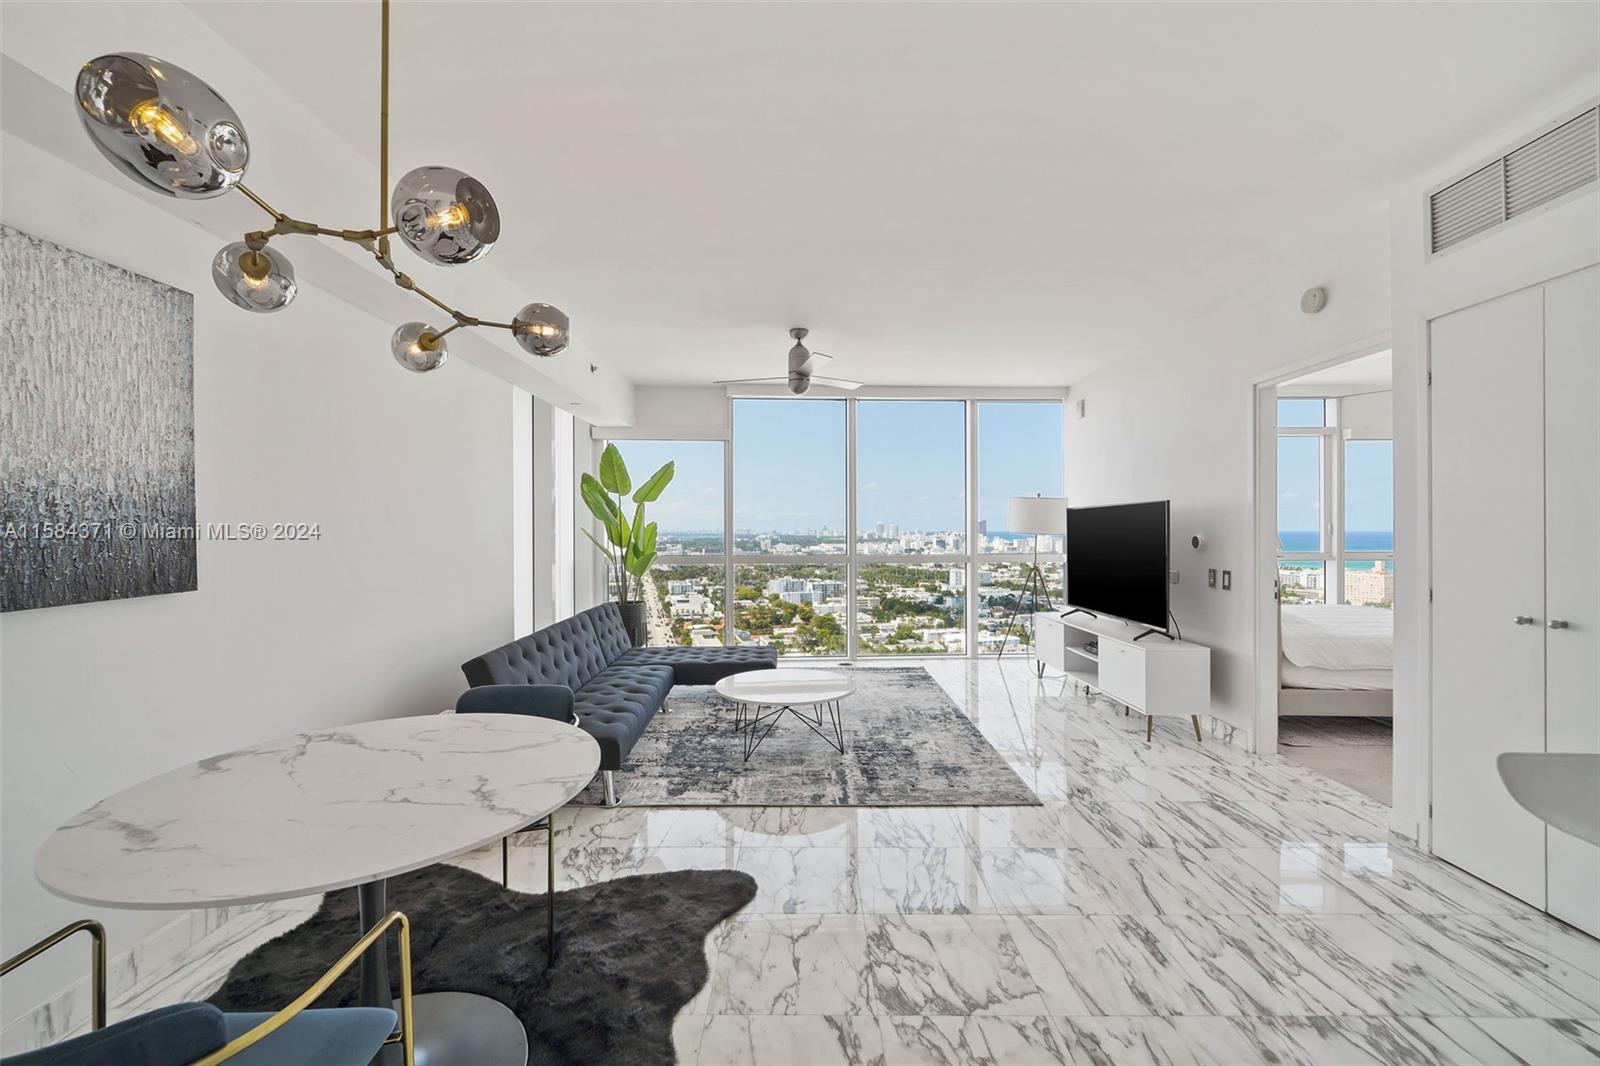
point(631, 544)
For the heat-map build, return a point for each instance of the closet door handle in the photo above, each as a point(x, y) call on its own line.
point(1523, 620)
point(1558, 623)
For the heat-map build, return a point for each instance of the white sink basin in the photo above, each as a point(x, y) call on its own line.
point(1561, 788)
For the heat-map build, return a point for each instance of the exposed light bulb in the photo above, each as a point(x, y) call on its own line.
point(542, 330)
point(254, 269)
point(151, 118)
point(443, 215)
point(451, 217)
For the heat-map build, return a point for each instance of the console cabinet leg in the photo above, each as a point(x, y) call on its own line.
point(1195, 718)
point(1149, 728)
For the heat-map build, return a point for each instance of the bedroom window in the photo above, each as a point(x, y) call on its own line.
point(1368, 475)
point(1303, 548)
point(1335, 508)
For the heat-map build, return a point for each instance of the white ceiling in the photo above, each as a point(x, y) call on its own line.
point(945, 194)
point(1370, 373)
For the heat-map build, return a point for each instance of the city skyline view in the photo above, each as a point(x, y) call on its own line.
point(911, 467)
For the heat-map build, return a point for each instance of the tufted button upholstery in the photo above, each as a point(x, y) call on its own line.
point(704, 666)
point(616, 687)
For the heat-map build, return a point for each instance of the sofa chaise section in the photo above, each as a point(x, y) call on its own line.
point(588, 663)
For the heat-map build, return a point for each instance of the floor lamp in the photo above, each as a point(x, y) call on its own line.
point(1039, 516)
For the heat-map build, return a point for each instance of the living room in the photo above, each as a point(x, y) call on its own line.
point(768, 542)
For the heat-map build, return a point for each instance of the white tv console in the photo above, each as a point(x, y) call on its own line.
point(1152, 675)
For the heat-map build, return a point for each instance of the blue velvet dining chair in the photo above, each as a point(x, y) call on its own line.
point(199, 1034)
point(531, 700)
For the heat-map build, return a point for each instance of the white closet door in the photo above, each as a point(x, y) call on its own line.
point(1572, 565)
point(1488, 569)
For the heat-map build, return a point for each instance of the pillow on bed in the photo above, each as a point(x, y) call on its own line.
point(1338, 636)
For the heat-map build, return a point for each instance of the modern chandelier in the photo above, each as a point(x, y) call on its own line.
point(170, 131)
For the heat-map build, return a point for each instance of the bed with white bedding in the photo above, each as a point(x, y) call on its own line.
point(1337, 659)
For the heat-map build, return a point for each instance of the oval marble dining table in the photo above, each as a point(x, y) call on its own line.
point(338, 808)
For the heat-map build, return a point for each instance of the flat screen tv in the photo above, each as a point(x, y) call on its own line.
point(1117, 561)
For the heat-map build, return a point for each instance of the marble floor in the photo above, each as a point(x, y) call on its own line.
point(1180, 902)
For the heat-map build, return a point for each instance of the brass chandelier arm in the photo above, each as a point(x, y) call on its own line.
point(285, 224)
point(375, 241)
point(383, 135)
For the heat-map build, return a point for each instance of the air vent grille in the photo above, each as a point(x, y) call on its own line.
point(1543, 170)
point(1547, 169)
point(1468, 207)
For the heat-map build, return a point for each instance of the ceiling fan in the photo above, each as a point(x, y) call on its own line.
point(803, 367)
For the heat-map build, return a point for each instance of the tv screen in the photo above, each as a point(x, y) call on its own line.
point(1117, 561)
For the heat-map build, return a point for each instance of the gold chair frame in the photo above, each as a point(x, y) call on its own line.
point(405, 1037)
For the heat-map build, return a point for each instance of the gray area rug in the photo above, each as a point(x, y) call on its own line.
point(906, 745)
point(1316, 731)
point(632, 954)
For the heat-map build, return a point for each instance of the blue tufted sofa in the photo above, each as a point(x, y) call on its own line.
point(587, 666)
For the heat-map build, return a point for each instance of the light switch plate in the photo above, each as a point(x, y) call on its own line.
point(1227, 580)
point(1211, 578)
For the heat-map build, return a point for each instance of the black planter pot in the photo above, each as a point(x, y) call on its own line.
point(633, 621)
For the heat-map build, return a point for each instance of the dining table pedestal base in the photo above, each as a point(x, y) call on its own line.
point(461, 1029)
point(452, 1028)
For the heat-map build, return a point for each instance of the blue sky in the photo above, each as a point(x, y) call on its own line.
point(1369, 483)
point(789, 465)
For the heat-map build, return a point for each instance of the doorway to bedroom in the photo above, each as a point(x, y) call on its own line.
point(1330, 515)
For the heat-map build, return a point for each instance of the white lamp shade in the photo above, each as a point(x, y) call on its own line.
point(1037, 514)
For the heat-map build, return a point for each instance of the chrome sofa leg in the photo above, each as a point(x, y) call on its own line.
point(608, 779)
point(666, 705)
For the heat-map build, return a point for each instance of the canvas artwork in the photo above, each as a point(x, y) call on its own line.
point(96, 430)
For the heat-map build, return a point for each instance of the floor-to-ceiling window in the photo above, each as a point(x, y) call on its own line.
point(1335, 508)
point(1368, 564)
point(911, 527)
point(684, 592)
point(1019, 454)
point(790, 532)
point(854, 527)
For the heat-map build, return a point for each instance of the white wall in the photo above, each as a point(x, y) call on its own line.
point(1177, 425)
point(1368, 414)
point(1520, 254)
point(299, 416)
point(663, 413)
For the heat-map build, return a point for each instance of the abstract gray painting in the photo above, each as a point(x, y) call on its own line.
point(97, 425)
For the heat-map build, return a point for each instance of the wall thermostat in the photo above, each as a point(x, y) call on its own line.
point(1314, 300)
point(1197, 542)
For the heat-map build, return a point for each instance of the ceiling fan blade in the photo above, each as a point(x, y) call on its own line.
point(815, 361)
point(753, 381)
point(836, 383)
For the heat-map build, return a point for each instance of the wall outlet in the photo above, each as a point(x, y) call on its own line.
point(1211, 578)
point(1227, 580)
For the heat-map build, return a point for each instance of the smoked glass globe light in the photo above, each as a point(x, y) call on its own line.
point(254, 280)
point(542, 330)
point(444, 216)
point(418, 347)
point(162, 125)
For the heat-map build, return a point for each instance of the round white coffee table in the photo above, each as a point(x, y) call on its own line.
point(317, 812)
point(760, 697)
